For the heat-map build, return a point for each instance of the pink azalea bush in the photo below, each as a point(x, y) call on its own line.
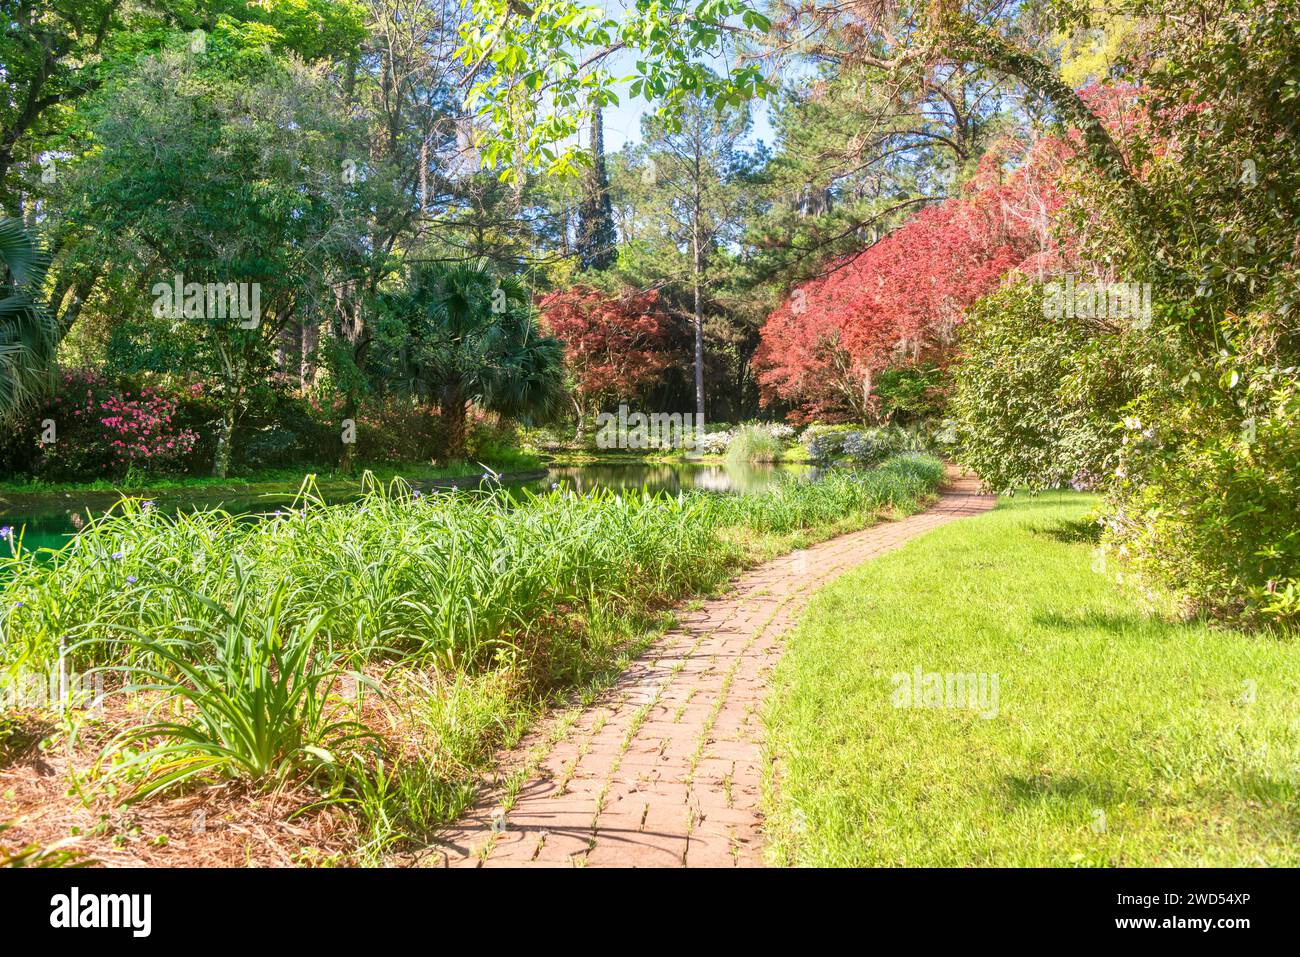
point(104, 430)
point(143, 431)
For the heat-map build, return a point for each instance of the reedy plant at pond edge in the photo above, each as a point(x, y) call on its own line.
point(243, 628)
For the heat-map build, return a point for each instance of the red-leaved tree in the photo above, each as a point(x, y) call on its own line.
point(615, 345)
point(902, 298)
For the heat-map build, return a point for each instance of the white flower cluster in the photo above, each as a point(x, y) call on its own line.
point(713, 443)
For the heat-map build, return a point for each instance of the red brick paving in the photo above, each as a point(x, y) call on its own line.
point(665, 769)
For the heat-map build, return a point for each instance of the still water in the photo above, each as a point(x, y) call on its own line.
point(49, 518)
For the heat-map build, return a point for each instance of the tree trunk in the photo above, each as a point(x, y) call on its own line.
point(577, 435)
point(347, 461)
point(699, 312)
point(597, 249)
point(453, 421)
point(225, 438)
point(231, 386)
point(309, 339)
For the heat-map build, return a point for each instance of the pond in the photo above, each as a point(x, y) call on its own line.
point(50, 517)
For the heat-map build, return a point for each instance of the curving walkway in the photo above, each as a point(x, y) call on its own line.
point(665, 769)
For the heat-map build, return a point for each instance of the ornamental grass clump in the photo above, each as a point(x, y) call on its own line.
point(240, 692)
point(752, 444)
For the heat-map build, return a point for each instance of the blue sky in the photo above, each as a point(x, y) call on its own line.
point(623, 122)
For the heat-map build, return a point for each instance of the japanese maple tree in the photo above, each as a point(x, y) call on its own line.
point(615, 344)
point(901, 298)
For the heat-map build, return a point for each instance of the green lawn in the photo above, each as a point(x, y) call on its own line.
point(1120, 738)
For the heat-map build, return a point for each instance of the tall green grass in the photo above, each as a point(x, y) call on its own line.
point(789, 506)
point(240, 628)
point(402, 574)
point(254, 697)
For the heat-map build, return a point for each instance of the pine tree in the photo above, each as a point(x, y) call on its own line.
point(596, 248)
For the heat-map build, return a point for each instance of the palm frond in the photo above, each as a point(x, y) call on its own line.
point(477, 330)
point(29, 334)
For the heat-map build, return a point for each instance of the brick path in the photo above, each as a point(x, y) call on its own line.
point(665, 769)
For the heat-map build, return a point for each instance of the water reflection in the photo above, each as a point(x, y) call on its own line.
point(672, 478)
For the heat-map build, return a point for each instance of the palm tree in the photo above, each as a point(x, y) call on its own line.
point(28, 331)
point(473, 338)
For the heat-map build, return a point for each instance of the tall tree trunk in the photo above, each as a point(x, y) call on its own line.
point(454, 421)
point(596, 241)
point(424, 176)
point(231, 386)
point(350, 326)
point(348, 460)
point(699, 311)
point(308, 341)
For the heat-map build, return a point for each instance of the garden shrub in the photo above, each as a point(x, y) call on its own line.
point(398, 430)
point(489, 437)
point(1206, 499)
point(551, 438)
point(825, 442)
point(20, 447)
point(389, 429)
point(713, 443)
point(1025, 418)
point(281, 431)
point(826, 447)
point(864, 445)
point(1205, 495)
point(1186, 421)
point(103, 430)
point(869, 446)
point(1201, 472)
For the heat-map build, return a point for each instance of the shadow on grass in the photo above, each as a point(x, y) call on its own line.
point(1042, 787)
point(1092, 619)
point(19, 735)
point(1070, 531)
point(1278, 792)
